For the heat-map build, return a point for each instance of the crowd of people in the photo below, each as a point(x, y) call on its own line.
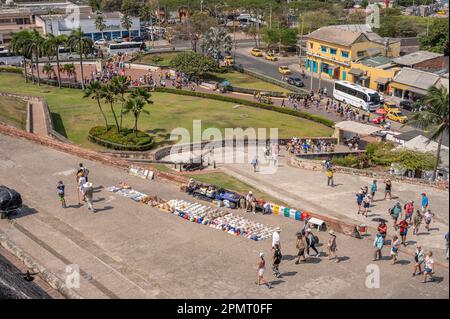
point(299, 146)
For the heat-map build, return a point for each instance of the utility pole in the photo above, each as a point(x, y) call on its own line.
point(301, 42)
point(270, 20)
point(311, 73)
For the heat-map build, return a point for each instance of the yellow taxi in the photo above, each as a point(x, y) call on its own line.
point(390, 106)
point(229, 60)
point(270, 57)
point(284, 70)
point(397, 116)
point(256, 52)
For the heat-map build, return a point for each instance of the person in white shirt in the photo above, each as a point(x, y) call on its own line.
point(429, 267)
point(276, 237)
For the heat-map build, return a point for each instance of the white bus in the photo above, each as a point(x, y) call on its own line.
point(356, 95)
point(7, 58)
point(125, 47)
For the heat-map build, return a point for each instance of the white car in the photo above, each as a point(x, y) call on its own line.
point(100, 42)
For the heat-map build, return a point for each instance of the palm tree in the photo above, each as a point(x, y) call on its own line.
point(36, 46)
point(52, 44)
point(109, 95)
point(95, 91)
point(127, 23)
point(135, 105)
point(69, 68)
point(20, 46)
point(217, 41)
point(100, 24)
point(48, 69)
point(121, 86)
point(81, 44)
point(434, 117)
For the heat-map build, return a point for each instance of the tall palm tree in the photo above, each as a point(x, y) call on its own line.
point(52, 44)
point(100, 24)
point(135, 105)
point(81, 44)
point(217, 41)
point(69, 68)
point(434, 117)
point(121, 86)
point(20, 46)
point(48, 69)
point(109, 95)
point(95, 92)
point(127, 23)
point(36, 47)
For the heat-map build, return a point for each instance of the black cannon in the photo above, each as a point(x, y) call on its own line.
point(10, 201)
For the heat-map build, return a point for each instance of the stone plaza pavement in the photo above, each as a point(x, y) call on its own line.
point(130, 250)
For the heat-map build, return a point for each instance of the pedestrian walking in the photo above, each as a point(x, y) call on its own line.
point(84, 170)
point(81, 189)
point(60, 188)
point(312, 241)
point(417, 221)
point(250, 203)
point(89, 193)
point(366, 204)
point(276, 237)
point(394, 249)
point(409, 210)
point(282, 103)
point(276, 259)
point(424, 202)
point(446, 245)
point(396, 213)
point(373, 189)
point(261, 271)
point(332, 246)
point(403, 225)
point(359, 200)
point(301, 245)
point(428, 219)
point(418, 260)
point(254, 163)
point(330, 178)
point(388, 189)
point(378, 243)
point(382, 229)
point(429, 267)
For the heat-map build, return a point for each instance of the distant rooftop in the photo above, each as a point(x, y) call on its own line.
point(416, 57)
point(377, 61)
point(416, 78)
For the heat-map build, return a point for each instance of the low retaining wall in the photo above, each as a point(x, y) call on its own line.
point(327, 155)
point(317, 165)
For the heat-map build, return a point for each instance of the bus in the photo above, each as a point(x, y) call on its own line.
point(356, 95)
point(8, 58)
point(125, 47)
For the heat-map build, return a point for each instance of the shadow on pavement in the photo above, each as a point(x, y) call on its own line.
point(289, 257)
point(276, 282)
point(290, 273)
point(103, 209)
point(22, 212)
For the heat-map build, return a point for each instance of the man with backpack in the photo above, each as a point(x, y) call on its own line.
point(276, 258)
point(396, 213)
point(378, 243)
point(312, 241)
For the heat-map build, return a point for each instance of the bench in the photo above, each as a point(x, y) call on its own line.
point(316, 222)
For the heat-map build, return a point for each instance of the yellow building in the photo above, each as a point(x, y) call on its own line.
point(331, 50)
point(373, 72)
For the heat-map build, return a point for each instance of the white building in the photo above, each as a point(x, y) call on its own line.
point(64, 24)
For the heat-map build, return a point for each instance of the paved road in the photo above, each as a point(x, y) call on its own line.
point(129, 250)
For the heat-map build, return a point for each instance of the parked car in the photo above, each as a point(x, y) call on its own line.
point(117, 40)
point(379, 119)
point(100, 42)
point(256, 52)
point(390, 106)
point(284, 70)
point(397, 116)
point(296, 81)
point(270, 57)
point(410, 106)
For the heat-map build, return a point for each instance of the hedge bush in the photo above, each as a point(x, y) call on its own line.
point(124, 141)
point(308, 116)
point(11, 69)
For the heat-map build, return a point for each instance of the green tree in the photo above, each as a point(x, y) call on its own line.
point(127, 23)
point(252, 31)
point(69, 68)
point(130, 7)
point(191, 63)
point(437, 38)
point(109, 94)
point(35, 44)
point(48, 69)
point(121, 86)
point(100, 24)
point(95, 91)
point(135, 104)
point(19, 46)
point(52, 44)
point(217, 41)
point(434, 118)
point(83, 46)
point(96, 5)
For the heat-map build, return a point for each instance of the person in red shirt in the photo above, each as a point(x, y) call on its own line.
point(409, 209)
point(382, 229)
point(403, 225)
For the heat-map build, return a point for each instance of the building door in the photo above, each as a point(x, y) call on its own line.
point(315, 67)
point(344, 75)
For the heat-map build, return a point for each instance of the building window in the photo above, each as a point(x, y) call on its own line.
point(333, 51)
point(311, 45)
point(323, 48)
point(344, 54)
point(325, 68)
point(361, 54)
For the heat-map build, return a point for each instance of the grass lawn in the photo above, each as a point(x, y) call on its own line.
point(246, 81)
point(158, 59)
point(13, 112)
point(74, 115)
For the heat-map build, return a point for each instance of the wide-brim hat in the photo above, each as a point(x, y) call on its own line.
point(278, 229)
point(87, 185)
point(331, 232)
